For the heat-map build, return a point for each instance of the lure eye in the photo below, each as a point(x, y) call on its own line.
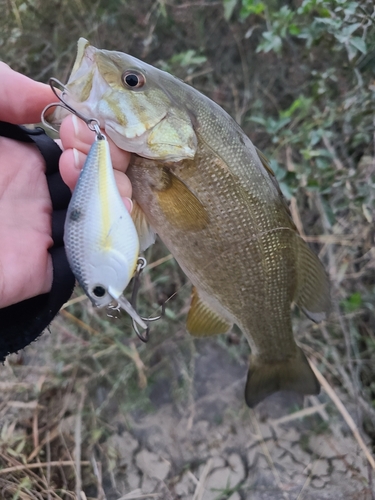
point(133, 79)
point(98, 291)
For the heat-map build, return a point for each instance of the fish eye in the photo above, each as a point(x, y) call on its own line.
point(99, 291)
point(133, 79)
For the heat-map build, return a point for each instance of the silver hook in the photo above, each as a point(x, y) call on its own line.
point(116, 308)
point(136, 283)
point(92, 123)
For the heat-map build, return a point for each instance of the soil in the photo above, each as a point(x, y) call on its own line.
point(235, 452)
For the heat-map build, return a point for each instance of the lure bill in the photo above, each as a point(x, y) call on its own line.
point(100, 238)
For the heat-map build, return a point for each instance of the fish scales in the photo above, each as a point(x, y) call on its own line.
point(199, 182)
point(252, 282)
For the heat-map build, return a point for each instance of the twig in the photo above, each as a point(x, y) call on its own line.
point(79, 322)
point(324, 415)
point(246, 75)
point(63, 463)
point(159, 261)
point(15, 386)
point(298, 414)
point(296, 217)
point(199, 491)
point(137, 494)
point(98, 474)
point(22, 404)
point(77, 447)
point(188, 5)
point(48, 454)
point(190, 78)
point(50, 437)
point(333, 239)
point(76, 300)
point(344, 412)
point(35, 429)
point(308, 480)
point(331, 150)
point(133, 354)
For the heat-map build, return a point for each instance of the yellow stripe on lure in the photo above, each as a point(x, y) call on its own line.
point(100, 238)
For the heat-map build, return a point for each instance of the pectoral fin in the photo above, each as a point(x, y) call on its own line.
point(202, 321)
point(312, 295)
point(180, 206)
point(146, 234)
point(264, 379)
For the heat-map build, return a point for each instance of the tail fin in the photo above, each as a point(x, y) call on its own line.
point(263, 379)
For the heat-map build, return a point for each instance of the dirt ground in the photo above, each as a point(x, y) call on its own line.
point(237, 453)
point(211, 448)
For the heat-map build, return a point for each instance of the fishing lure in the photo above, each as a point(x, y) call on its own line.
point(101, 241)
point(100, 238)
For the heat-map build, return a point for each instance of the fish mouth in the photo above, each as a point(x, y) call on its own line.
point(85, 85)
point(78, 92)
point(84, 59)
point(80, 81)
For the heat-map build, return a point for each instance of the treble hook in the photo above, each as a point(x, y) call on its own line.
point(92, 123)
point(136, 283)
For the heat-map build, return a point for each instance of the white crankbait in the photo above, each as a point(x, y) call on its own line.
point(100, 238)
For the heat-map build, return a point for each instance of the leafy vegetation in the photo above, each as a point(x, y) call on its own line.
point(299, 76)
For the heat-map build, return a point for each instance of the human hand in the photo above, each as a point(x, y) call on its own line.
point(25, 204)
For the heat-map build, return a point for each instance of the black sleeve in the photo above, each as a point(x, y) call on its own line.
point(22, 323)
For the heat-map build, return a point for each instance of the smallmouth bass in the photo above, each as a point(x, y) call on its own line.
point(199, 182)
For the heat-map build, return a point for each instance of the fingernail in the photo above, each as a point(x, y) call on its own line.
point(128, 203)
point(76, 157)
point(75, 124)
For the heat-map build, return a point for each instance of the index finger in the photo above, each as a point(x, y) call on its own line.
point(22, 99)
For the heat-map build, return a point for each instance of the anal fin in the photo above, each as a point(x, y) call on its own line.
point(264, 379)
point(202, 321)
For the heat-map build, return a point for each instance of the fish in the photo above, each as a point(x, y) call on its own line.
point(100, 238)
point(211, 196)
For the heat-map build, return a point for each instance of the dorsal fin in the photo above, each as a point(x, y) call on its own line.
point(271, 173)
point(263, 158)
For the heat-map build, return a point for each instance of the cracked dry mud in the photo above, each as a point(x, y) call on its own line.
point(220, 449)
